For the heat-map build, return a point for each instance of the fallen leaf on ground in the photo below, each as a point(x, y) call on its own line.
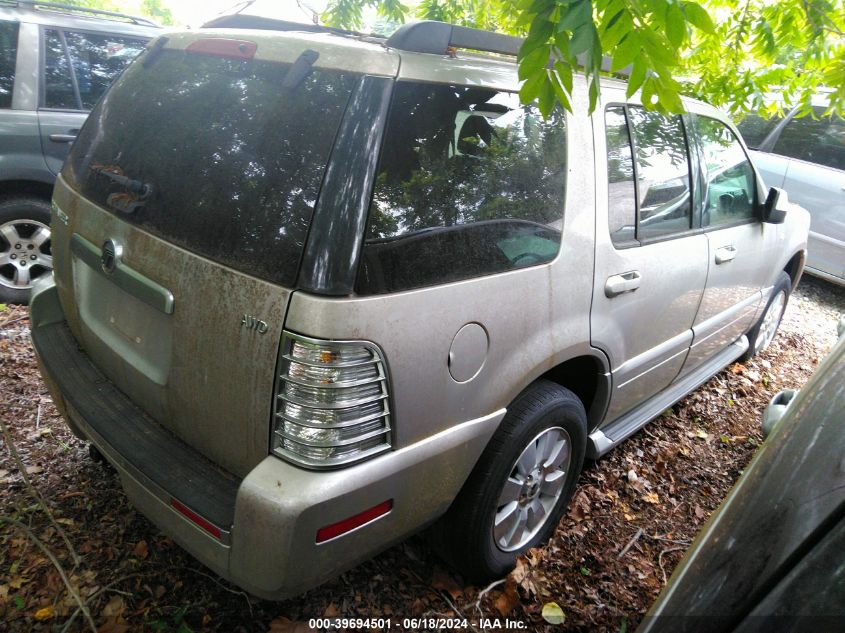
point(552, 613)
point(44, 613)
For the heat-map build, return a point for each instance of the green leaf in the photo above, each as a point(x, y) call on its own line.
point(19, 603)
point(616, 31)
point(564, 73)
point(698, 17)
point(577, 14)
point(676, 26)
point(546, 102)
point(637, 77)
point(562, 43)
point(647, 96)
point(593, 93)
point(560, 92)
point(533, 61)
point(654, 47)
point(530, 89)
point(582, 39)
point(628, 49)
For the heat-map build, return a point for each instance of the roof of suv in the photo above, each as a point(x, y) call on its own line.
point(66, 16)
point(478, 47)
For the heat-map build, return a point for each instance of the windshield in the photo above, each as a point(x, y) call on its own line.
point(219, 156)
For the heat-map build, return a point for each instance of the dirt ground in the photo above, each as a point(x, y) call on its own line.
point(633, 515)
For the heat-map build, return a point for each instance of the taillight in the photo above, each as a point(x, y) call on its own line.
point(331, 402)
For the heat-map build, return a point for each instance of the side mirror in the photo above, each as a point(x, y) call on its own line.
point(775, 207)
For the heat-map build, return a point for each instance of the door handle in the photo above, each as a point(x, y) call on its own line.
point(725, 254)
point(63, 138)
point(619, 284)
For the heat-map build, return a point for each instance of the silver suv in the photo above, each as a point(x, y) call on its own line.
point(314, 292)
point(806, 156)
point(55, 63)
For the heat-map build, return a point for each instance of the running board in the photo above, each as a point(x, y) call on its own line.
point(604, 439)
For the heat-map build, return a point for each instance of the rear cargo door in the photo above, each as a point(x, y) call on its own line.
point(187, 200)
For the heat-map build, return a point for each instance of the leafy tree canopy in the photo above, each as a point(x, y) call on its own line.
point(743, 55)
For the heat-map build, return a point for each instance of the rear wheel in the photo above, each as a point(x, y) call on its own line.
point(520, 487)
point(761, 335)
point(25, 253)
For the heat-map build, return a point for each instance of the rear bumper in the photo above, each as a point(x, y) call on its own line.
point(268, 521)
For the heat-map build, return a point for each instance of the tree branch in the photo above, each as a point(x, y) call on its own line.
point(71, 589)
point(19, 462)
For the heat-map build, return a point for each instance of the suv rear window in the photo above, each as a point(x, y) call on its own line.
point(469, 183)
point(214, 155)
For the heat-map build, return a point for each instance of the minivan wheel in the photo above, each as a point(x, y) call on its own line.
point(25, 253)
point(516, 494)
point(761, 335)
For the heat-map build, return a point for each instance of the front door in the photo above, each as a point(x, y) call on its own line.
point(740, 246)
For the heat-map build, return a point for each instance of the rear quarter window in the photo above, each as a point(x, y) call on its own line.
point(469, 183)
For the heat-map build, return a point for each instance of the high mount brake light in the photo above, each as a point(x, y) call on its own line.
point(223, 47)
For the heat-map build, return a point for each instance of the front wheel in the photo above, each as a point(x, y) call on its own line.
point(761, 335)
point(515, 496)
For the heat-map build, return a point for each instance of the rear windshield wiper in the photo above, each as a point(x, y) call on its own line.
point(300, 69)
point(135, 186)
point(136, 193)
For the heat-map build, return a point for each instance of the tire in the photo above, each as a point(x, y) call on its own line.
point(495, 516)
point(25, 253)
point(761, 335)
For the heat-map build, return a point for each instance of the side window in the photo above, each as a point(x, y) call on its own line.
point(820, 140)
point(622, 196)
point(95, 60)
point(469, 183)
point(730, 184)
point(8, 58)
point(755, 129)
point(58, 85)
point(663, 174)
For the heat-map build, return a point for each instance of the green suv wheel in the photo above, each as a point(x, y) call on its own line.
point(24, 246)
point(515, 496)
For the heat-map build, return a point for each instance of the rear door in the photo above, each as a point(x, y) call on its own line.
point(650, 263)
point(78, 67)
point(741, 249)
point(189, 196)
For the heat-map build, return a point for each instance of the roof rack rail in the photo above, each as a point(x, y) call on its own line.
point(430, 36)
point(72, 9)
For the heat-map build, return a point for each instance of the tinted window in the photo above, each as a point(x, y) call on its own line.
point(755, 129)
point(729, 187)
point(8, 57)
point(214, 155)
point(58, 85)
point(820, 140)
point(622, 205)
point(96, 61)
point(470, 183)
point(663, 177)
